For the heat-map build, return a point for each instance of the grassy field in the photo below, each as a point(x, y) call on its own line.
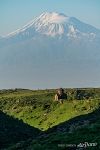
point(42, 123)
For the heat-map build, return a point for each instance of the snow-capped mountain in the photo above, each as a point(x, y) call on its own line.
point(47, 43)
point(53, 24)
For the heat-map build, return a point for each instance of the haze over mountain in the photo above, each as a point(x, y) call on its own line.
point(52, 50)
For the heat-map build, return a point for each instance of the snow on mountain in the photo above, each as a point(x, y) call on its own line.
point(50, 51)
point(53, 24)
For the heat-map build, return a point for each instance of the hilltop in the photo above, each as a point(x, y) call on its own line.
point(31, 120)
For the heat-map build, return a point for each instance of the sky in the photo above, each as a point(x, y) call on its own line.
point(16, 13)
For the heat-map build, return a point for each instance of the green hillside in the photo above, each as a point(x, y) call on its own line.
point(32, 120)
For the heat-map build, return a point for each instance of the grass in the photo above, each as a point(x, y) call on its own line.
point(38, 109)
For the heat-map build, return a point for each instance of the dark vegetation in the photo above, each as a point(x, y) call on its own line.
point(13, 130)
point(31, 120)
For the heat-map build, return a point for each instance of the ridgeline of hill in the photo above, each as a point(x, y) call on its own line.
point(32, 120)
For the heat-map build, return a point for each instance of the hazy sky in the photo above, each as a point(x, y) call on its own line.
point(16, 13)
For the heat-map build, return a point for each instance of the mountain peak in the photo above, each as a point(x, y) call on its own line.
point(52, 24)
point(53, 17)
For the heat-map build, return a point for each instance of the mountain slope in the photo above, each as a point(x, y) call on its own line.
point(53, 24)
point(14, 130)
point(51, 46)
